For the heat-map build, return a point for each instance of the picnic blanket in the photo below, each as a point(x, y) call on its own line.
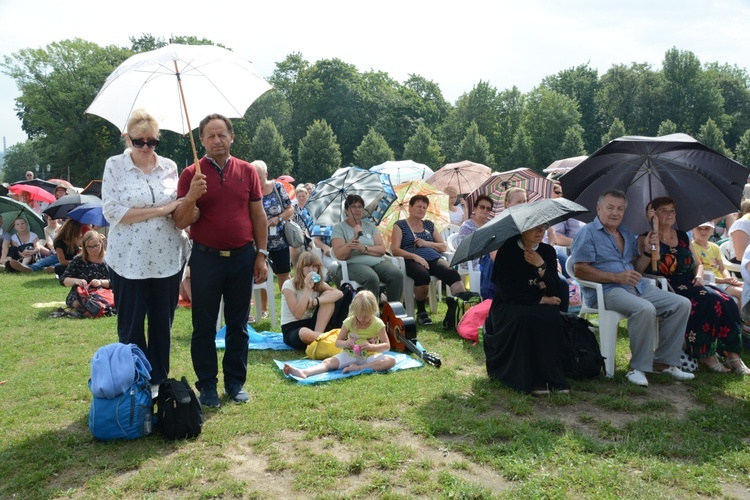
point(403, 362)
point(259, 341)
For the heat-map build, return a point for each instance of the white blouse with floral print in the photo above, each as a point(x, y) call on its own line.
point(154, 248)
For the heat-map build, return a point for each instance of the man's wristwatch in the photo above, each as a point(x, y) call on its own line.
point(264, 252)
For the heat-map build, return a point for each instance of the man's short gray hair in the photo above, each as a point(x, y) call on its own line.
point(615, 193)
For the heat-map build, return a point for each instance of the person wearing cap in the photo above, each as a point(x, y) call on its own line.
point(710, 256)
point(60, 191)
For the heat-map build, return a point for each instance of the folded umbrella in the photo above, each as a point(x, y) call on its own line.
point(512, 221)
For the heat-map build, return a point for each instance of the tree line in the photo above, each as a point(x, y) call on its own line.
point(324, 115)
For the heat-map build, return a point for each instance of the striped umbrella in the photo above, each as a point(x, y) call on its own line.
point(536, 186)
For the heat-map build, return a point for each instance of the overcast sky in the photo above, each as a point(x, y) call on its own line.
point(454, 44)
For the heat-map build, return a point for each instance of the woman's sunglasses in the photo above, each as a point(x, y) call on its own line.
point(139, 143)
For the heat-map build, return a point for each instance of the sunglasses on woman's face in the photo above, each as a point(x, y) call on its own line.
point(139, 143)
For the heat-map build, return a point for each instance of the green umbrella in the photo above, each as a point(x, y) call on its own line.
point(10, 210)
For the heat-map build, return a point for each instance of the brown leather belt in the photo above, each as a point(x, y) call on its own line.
point(221, 253)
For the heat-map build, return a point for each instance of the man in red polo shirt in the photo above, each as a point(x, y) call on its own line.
point(229, 251)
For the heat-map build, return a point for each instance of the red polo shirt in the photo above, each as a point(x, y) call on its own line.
point(224, 221)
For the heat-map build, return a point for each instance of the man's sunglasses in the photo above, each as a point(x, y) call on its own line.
point(139, 143)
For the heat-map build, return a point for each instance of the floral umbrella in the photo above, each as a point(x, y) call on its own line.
point(536, 186)
point(437, 212)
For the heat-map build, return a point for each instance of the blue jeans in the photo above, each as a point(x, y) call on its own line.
point(48, 261)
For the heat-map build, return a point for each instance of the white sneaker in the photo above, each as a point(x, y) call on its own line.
point(637, 377)
point(675, 372)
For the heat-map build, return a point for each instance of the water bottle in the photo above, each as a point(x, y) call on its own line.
point(315, 277)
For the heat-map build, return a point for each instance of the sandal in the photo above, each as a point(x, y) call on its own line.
point(715, 366)
point(736, 365)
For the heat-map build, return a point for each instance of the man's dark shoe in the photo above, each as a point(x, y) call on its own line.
point(237, 394)
point(423, 318)
point(209, 397)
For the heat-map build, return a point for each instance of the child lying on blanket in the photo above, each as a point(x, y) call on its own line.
point(363, 339)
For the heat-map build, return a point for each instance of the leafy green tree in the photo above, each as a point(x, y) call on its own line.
point(510, 113)
point(522, 151)
point(475, 147)
point(634, 95)
point(580, 84)
point(742, 152)
point(691, 95)
point(19, 158)
point(572, 144)
point(667, 127)
point(373, 150)
point(268, 145)
point(430, 105)
point(711, 135)
point(422, 147)
point(734, 84)
point(617, 129)
point(57, 84)
point(547, 115)
point(319, 153)
point(480, 106)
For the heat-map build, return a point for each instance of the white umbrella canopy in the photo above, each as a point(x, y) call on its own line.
point(178, 82)
point(403, 170)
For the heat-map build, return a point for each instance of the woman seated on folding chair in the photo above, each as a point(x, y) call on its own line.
point(420, 244)
point(714, 325)
point(358, 242)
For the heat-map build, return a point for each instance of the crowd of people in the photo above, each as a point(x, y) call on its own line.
point(212, 232)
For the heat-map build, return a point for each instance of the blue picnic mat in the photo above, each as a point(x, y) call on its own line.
point(260, 341)
point(403, 362)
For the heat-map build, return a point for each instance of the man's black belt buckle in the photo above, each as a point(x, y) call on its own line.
point(221, 253)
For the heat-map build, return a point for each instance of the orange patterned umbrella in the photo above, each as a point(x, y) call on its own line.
point(438, 211)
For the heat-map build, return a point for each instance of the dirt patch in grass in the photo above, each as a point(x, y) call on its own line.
point(248, 466)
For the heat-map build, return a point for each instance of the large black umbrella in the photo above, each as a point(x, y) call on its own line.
point(10, 210)
point(512, 221)
point(59, 208)
point(93, 187)
point(703, 183)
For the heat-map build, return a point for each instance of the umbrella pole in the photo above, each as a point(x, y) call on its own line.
point(187, 117)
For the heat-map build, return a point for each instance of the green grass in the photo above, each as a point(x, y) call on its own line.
point(433, 433)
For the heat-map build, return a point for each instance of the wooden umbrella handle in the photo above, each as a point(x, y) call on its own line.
point(654, 248)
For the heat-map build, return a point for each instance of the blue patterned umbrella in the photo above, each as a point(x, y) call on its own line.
point(325, 208)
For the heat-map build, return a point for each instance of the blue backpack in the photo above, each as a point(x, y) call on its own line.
point(121, 407)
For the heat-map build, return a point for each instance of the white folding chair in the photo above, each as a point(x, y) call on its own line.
point(449, 230)
point(727, 253)
point(608, 320)
point(475, 275)
point(409, 289)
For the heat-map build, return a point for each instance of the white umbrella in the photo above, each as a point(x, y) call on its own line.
point(403, 171)
point(177, 82)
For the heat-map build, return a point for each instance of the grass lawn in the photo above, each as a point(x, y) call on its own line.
point(435, 433)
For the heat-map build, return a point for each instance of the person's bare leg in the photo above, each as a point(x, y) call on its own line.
point(308, 336)
point(325, 312)
point(379, 364)
point(327, 365)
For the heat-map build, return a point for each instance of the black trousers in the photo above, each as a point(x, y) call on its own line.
point(213, 277)
point(152, 299)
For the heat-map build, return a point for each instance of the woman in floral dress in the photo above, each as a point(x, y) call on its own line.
point(714, 325)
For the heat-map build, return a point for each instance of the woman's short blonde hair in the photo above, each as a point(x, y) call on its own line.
point(451, 190)
point(141, 124)
point(511, 191)
point(301, 189)
point(363, 304)
point(261, 167)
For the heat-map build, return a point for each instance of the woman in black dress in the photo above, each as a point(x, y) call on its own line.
point(523, 337)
